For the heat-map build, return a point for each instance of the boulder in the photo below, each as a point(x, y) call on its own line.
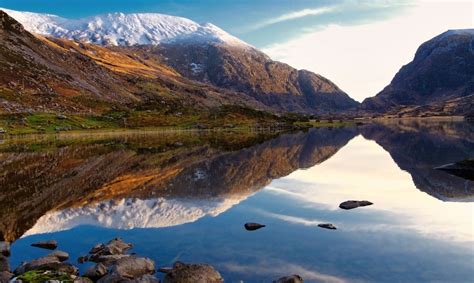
point(350, 204)
point(107, 260)
point(5, 248)
point(290, 279)
point(253, 226)
point(4, 264)
point(62, 256)
point(96, 272)
point(193, 273)
point(49, 245)
point(133, 267)
point(5, 276)
point(327, 226)
point(463, 169)
point(51, 263)
point(114, 247)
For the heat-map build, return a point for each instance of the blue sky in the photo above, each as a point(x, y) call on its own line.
point(359, 45)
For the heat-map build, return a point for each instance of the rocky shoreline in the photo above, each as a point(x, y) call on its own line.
point(112, 262)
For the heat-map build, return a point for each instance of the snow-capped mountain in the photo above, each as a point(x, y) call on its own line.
point(134, 213)
point(125, 29)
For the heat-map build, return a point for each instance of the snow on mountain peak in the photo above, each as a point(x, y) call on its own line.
point(125, 29)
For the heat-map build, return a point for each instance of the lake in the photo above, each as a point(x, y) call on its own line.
point(186, 196)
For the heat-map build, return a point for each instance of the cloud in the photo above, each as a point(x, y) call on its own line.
point(362, 59)
point(292, 16)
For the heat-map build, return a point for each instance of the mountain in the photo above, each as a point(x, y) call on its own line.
point(200, 55)
point(439, 80)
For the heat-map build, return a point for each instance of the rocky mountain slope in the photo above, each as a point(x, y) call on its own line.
point(169, 48)
point(440, 79)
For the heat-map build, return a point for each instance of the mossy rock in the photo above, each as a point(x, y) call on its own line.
point(40, 276)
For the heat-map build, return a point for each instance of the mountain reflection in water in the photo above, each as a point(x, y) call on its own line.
point(188, 183)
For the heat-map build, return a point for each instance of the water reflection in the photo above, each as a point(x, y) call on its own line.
point(186, 196)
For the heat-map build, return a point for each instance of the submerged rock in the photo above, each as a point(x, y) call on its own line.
point(290, 279)
point(253, 226)
point(350, 204)
point(193, 273)
point(49, 245)
point(463, 169)
point(5, 248)
point(327, 226)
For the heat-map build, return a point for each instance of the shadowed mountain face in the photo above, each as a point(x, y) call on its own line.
point(440, 79)
point(420, 147)
point(250, 71)
point(40, 178)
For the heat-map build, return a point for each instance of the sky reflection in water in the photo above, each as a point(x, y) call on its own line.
point(406, 236)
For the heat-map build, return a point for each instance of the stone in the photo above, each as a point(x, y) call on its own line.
point(327, 226)
point(463, 169)
point(62, 256)
point(5, 248)
point(107, 259)
point(51, 263)
point(114, 247)
point(351, 204)
point(82, 259)
point(96, 272)
point(5, 276)
point(3, 131)
point(193, 273)
point(4, 264)
point(61, 117)
point(49, 245)
point(253, 226)
point(133, 267)
point(290, 279)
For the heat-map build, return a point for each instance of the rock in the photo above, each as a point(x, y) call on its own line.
point(51, 263)
point(49, 245)
point(107, 260)
point(327, 226)
point(61, 117)
point(5, 276)
point(114, 247)
point(133, 267)
point(290, 279)
point(350, 204)
point(5, 248)
point(253, 226)
point(463, 169)
point(165, 269)
point(82, 280)
point(96, 272)
point(62, 256)
point(4, 264)
point(82, 259)
point(3, 131)
point(193, 273)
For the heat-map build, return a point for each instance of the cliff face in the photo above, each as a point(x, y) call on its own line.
point(250, 71)
point(441, 72)
point(35, 183)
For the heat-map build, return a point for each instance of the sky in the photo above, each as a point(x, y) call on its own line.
point(359, 45)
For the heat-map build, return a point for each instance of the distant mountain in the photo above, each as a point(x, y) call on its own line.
point(439, 81)
point(203, 53)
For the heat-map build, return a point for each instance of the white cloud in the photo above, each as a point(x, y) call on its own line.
point(362, 59)
point(292, 16)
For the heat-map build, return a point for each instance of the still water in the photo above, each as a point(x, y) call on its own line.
point(186, 196)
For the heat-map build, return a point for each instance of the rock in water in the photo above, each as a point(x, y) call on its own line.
point(350, 204)
point(290, 279)
point(50, 263)
point(327, 226)
point(49, 245)
point(253, 226)
point(193, 273)
point(463, 169)
point(60, 255)
point(5, 248)
point(133, 267)
point(96, 272)
point(4, 264)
